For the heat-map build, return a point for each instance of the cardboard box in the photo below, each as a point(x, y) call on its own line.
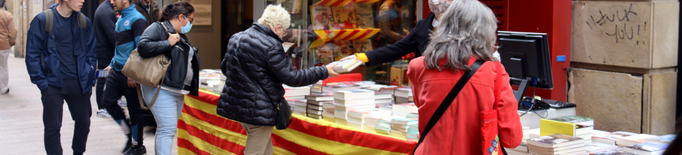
point(625, 33)
point(625, 102)
point(398, 76)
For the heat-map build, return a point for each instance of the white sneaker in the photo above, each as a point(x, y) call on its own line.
point(103, 113)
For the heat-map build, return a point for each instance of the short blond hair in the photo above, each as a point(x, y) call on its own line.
point(275, 15)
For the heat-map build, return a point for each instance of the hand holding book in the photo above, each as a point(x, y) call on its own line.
point(345, 66)
point(330, 70)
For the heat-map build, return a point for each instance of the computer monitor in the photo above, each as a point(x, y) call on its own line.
point(526, 57)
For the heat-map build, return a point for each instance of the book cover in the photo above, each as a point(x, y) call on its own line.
point(344, 17)
point(556, 140)
point(362, 46)
point(551, 127)
point(345, 49)
point(646, 148)
point(354, 94)
point(322, 17)
point(365, 15)
point(320, 97)
point(578, 120)
point(324, 54)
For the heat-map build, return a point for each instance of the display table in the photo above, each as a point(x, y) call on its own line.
point(201, 131)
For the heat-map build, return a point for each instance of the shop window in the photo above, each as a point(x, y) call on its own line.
point(323, 31)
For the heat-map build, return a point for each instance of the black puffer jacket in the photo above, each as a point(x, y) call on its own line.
point(263, 60)
point(154, 41)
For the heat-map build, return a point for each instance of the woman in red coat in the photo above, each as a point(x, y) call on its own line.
point(467, 32)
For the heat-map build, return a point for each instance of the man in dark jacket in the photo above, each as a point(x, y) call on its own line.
point(129, 29)
point(416, 41)
point(68, 72)
point(149, 9)
point(104, 24)
point(256, 67)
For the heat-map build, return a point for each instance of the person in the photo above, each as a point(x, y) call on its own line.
point(129, 28)
point(104, 24)
point(182, 76)
point(415, 41)
point(259, 60)
point(390, 23)
point(467, 32)
point(149, 9)
point(8, 37)
point(68, 74)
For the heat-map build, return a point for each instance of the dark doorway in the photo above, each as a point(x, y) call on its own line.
point(238, 16)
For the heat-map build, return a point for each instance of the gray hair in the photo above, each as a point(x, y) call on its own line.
point(275, 15)
point(467, 28)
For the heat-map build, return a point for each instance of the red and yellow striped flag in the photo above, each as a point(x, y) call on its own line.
point(202, 132)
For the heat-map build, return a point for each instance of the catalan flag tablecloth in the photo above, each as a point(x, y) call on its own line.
point(202, 132)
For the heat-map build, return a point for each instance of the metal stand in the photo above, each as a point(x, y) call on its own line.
point(522, 89)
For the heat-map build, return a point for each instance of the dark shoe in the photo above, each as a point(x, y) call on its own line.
point(6, 92)
point(136, 150)
point(129, 144)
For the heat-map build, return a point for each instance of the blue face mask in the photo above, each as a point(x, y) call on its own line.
point(186, 28)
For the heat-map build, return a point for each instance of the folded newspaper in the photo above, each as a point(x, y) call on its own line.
point(346, 65)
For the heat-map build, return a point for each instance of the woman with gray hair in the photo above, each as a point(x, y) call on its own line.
point(256, 67)
point(466, 34)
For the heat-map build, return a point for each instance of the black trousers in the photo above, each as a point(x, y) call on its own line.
point(79, 105)
point(99, 92)
point(117, 86)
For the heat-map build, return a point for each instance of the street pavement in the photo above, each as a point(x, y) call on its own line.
point(21, 126)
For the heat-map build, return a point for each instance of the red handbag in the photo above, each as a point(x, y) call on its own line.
point(489, 131)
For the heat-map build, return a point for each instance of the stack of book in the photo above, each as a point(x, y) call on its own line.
point(296, 92)
point(413, 132)
point(556, 144)
point(383, 126)
point(576, 126)
point(346, 100)
point(522, 149)
point(667, 139)
point(383, 98)
point(403, 95)
point(600, 147)
point(300, 106)
point(399, 126)
point(403, 109)
point(316, 103)
point(633, 139)
point(599, 136)
point(356, 118)
point(378, 87)
point(372, 121)
point(648, 148)
point(328, 111)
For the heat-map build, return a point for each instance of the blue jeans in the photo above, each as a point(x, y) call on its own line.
point(166, 110)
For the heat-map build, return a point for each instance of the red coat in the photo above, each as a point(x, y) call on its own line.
point(458, 130)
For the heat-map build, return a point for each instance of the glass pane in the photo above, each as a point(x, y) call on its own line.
point(324, 31)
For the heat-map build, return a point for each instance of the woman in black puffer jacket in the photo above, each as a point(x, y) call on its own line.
point(262, 59)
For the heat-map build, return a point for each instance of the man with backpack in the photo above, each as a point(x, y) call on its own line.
point(129, 29)
point(60, 59)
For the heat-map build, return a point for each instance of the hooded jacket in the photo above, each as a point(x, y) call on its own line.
point(260, 60)
point(83, 50)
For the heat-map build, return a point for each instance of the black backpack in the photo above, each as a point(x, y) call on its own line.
point(49, 23)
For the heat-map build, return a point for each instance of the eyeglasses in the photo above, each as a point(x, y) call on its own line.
point(190, 21)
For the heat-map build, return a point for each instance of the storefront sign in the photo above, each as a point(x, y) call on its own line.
point(202, 13)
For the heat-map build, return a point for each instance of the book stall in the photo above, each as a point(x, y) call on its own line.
point(362, 117)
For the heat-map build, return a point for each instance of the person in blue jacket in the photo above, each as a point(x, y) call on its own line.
point(68, 74)
point(129, 28)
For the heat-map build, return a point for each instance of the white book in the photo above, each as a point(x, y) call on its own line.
point(368, 101)
point(296, 91)
point(403, 92)
point(346, 66)
point(340, 114)
point(354, 94)
point(359, 113)
point(383, 95)
point(401, 110)
point(328, 105)
point(353, 107)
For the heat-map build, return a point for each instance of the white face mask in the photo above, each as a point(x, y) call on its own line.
point(438, 6)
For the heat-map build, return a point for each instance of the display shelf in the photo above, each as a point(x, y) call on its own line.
point(346, 34)
point(343, 2)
